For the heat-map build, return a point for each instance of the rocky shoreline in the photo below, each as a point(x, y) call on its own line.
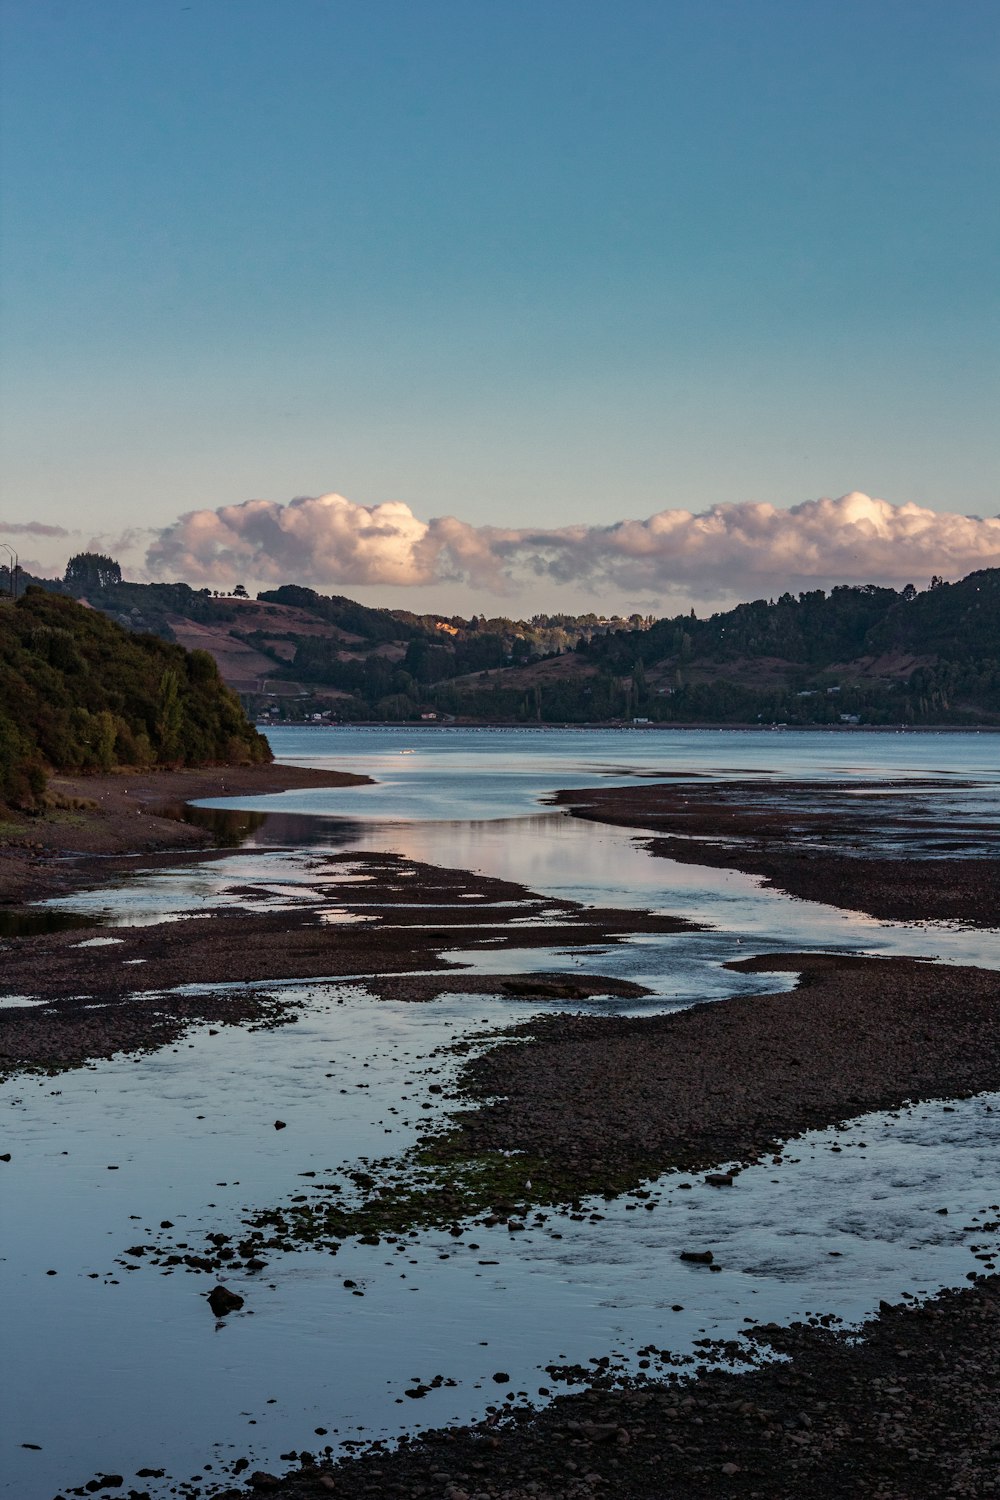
point(611, 1100)
point(910, 1410)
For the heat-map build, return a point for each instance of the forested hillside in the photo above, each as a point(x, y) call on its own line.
point(864, 653)
point(80, 693)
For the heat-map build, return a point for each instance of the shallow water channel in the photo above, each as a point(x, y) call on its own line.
point(115, 1370)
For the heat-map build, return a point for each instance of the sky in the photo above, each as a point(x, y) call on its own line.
point(512, 307)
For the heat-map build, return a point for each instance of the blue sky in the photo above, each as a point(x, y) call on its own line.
point(532, 265)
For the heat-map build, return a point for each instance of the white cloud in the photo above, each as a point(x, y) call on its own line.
point(742, 550)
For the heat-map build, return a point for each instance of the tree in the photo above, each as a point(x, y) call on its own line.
point(169, 715)
point(92, 570)
point(239, 592)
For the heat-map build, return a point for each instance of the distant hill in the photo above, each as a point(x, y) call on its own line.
point(80, 693)
point(292, 643)
point(870, 653)
point(878, 655)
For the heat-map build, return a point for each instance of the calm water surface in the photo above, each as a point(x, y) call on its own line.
point(116, 1370)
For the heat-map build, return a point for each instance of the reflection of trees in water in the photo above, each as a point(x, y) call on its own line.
point(306, 830)
point(226, 825)
point(231, 827)
point(33, 923)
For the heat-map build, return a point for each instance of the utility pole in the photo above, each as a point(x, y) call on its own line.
point(13, 566)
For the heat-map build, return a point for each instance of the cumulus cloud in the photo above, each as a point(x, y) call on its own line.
point(742, 550)
point(30, 528)
point(327, 539)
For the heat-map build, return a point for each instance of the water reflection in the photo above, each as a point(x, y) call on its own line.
point(190, 1132)
point(237, 828)
point(190, 1129)
point(556, 855)
point(229, 827)
point(34, 921)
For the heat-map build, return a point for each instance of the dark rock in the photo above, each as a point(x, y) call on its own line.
point(222, 1301)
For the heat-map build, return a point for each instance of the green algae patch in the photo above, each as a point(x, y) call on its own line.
point(430, 1188)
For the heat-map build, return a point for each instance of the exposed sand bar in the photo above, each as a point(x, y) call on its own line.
point(380, 918)
point(617, 1097)
point(900, 852)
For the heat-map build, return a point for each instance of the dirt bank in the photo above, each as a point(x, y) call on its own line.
point(94, 818)
point(901, 852)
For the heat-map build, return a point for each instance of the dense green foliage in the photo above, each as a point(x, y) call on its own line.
point(92, 570)
point(957, 621)
point(876, 654)
point(79, 693)
point(358, 619)
point(148, 606)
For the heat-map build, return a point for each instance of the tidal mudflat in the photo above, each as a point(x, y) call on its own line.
point(399, 1074)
